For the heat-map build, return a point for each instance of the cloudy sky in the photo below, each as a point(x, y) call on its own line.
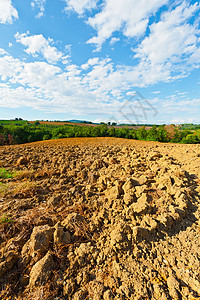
point(107, 60)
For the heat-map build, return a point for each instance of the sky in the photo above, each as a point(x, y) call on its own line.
point(124, 61)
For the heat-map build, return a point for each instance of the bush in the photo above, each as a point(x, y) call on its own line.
point(141, 133)
point(152, 134)
point(191, 139)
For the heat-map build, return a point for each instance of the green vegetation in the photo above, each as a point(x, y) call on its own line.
point(4, 174)
point(190, 126)
point(19, 132)
point(5, 219)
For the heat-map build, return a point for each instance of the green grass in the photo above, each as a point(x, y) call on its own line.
point(4, 174)
point(12, 122)
point(5, 219)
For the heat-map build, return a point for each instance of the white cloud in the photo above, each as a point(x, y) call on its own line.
point(80, 6)
point(40, 4)
point(130, 16)
point(103, 80)
point(156, 92)
point(131, 93)
point(49, 88)
point(99, 86)
point(97, 90)
point(172, 41)
point(3, 52)
point(36, 74)
point(114, 40)
point(9, 66)
point(37, 44)
point(90, 62)
point(178, 121)
point(7, 12)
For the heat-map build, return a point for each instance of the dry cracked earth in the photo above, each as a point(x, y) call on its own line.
point(100, 218)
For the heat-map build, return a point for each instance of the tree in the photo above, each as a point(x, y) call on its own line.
point(152, 134)
point(37, 123)
point(191, 139)
point(162, 134)
point(141, 133)
point(111, 131)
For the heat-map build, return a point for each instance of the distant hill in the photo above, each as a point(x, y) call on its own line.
point(78, 121)
point(81, 121)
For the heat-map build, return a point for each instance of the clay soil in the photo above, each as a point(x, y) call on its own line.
point(100, 218)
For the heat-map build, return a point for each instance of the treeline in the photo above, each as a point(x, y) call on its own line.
point(190, 126)
point(25, 132)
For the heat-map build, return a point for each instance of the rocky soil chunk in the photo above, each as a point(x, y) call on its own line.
point(40, 240)
point(100, 219)
point(42, 270)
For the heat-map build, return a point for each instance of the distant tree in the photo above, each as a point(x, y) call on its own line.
point(132, 133)
point(37, 123)
point(141, 133)
point(152, 134)
point(162, 134)
point(104, 130)
point(111, 131)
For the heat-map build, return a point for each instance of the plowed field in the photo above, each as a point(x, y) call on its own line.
point(100, 218)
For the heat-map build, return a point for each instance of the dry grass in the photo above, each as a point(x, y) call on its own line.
point(24, 174)
point(24, 188)
point(47, 291)
point(26, 203)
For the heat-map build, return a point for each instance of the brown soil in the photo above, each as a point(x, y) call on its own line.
point(100, 218)
point(87, 124)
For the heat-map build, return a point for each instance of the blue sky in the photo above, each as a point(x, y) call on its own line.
point(111, 60)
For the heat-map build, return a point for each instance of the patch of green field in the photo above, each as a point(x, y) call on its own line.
point(4, 174)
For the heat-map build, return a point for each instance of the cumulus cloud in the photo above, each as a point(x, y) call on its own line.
point(99, 88)
point(90, 62)
point(80, 6)
point(114, 40)
point(130, 16)
point(3, 52)
point(48, 87)
point(38, 44)
point(7, 12)
point(8, 65)
point(96, 89)
point(171, 40)
point(39, 4)
point(169, 51)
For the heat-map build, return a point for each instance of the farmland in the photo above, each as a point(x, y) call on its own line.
point(19, 132)
point(99, 218)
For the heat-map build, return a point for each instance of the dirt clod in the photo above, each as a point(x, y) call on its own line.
point(100, 218)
